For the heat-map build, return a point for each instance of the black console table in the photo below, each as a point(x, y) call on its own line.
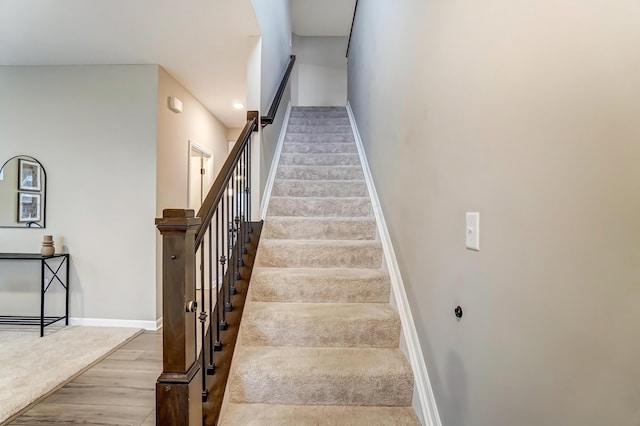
point(45, 264)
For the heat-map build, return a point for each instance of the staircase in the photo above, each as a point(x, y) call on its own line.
point(319, 340)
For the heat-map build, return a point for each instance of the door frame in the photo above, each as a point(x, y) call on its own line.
point(204, 152)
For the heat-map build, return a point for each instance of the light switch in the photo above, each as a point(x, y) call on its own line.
point(472, 229)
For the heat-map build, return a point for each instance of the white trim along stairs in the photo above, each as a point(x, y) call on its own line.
point(426, 402)
point(320, 341)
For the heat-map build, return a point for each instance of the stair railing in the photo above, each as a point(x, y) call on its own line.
point(353, 21)
point(194, 316)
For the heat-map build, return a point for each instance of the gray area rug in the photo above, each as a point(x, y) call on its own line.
point(32, 367)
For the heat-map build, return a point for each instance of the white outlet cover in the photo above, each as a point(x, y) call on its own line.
point(472, 231)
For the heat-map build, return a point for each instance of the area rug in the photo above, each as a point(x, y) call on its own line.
point(32, 366)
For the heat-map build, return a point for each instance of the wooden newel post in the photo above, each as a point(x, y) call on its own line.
point(178, 393)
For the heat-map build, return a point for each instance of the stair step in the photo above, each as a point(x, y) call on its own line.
point(319, 148)
point(373, 325)
point(319, 114)
point(337, 129)
point(320, 188)
point(318, 138)
point(320, 207)
point(321, 121)
point(313, 415)
point(319, 159)
point(320, 285)
point(320, 376)
point(318, 108)
point(313, 228)
point(319, 254)
point(320, 172)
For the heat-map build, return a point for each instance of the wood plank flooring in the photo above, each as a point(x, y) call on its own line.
point(118, 391)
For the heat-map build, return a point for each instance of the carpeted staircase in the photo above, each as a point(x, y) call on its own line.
point(319, 340)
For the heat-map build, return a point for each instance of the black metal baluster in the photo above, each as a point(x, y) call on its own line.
point(236, 231)
point(238, 223)
point(203, 319)
point(211, 368)
point(249, 217)
point(223, 260)
point(217, 346)
point(228, 307)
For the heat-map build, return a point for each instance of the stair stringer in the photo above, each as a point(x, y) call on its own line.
point(424, 402)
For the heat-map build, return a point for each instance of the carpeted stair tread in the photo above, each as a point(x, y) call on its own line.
point(320, 188)
point(320, 376)
point(319, 148)
point(318, 108)
point(341, 159)
point(320, 172)
point(320, 121)
point(319, 115)
point(313, 415)
point(319, 254)
point(320, 228)
point(336, 129)
point(318, 138)
point(320, 206)
point(373, 325)
point(320, 285)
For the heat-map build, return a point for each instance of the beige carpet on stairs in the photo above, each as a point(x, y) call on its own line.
point(32, 367)
point(318, 343)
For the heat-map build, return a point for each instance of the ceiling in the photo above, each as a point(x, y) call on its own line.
point(204, 44)
point(322, 17)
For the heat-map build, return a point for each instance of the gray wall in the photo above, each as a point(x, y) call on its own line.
point(94, 130)
point(274, 20)
point(320, 75)
point(528, 113)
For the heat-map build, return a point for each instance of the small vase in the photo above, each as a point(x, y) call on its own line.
point(47, 246)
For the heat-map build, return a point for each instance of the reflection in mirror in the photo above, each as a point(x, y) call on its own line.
point(23, 193)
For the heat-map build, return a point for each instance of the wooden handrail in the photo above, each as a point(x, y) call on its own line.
point(271, 115)
point(208, 208)
point(353, 20)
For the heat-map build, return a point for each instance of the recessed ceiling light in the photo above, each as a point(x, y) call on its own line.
point(238, 105)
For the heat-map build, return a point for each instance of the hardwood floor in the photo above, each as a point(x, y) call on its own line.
point(119, 390)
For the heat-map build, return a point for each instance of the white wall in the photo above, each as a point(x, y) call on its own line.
point(234, 133)
point(320, 75)
point(94, 130)
point(528, 113)
point(196, 124)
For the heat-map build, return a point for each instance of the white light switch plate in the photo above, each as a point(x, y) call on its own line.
point(472, 230)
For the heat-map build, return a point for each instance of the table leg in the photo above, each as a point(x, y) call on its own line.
point(66, 321)
point(42, 298)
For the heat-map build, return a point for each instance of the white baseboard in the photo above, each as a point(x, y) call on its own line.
point(426, 398)
point(105, 322)
point(264, 205)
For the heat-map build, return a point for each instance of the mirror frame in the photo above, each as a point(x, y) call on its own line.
point(43, 223)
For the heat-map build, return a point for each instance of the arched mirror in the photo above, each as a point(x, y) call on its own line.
point(23, 193)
